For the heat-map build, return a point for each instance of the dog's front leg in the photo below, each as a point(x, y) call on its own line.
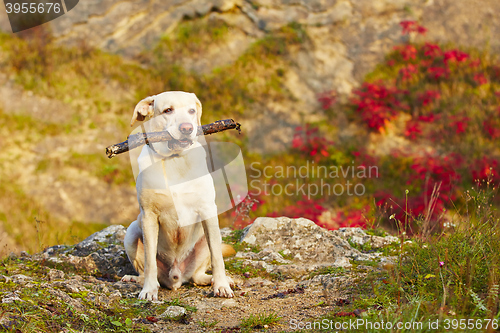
point(150, 234)
point(220, 280)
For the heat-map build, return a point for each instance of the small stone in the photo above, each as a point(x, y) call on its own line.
point(72, 288)
point(230, 303)
point(55, 274)
point(173, 312)
point(11, 299)
point(21, 279)
point(115, 295)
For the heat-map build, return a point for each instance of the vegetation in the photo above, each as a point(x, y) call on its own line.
point(260, 321)
point(438, 191)
point(440, 284)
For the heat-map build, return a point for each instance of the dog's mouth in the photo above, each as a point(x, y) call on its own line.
point(183, 143)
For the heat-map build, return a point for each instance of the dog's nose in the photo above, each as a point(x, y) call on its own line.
point(186, 128)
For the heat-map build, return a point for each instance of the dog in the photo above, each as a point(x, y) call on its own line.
point(176, 236)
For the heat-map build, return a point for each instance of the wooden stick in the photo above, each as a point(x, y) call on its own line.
point(139, 139)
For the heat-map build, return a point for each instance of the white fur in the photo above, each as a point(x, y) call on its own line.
point(167, 243)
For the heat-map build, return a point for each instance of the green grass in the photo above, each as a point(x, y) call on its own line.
point(451, 277)
point(114, 171)
point(337, 271)
point(191, 37)
point(260, 320)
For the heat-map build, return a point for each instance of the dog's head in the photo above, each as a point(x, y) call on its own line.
point(177, 112)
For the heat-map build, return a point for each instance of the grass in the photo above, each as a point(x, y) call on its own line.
point(31, 226)
point(327, 270)
point(190, 37)
point(40, 310)
point(439, 283)
point(260, 321)
point(115, 171)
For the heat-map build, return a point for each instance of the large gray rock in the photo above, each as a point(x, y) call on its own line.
point(300, 238)
point(102, 253)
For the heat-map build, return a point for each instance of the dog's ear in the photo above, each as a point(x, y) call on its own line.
point(142, 109)
point(199, 110)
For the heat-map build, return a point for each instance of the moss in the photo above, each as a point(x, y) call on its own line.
point(239, 267)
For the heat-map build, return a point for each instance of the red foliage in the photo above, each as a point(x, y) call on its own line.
point(428, 171)
point(492, 127)
point(428, 97)
point(327, 99)
point(486, 169)
point(429, 118)
point(413, 129)
point(437, 72)
point(455, 56)
point(432, 50)
point(480, 79)
point(412, 26)
point(408, 71)
point(377, 104)
point(407, 51)
point(310, 142)
point(475, 63)
point(460, 123)
point(307, 208)
point(346, 218)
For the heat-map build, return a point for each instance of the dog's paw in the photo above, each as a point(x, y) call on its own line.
point(222, 289)
point(133, 278)
point(149, 295)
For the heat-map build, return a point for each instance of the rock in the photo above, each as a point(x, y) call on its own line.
point(173, 312)
point(342, 262)
point(64, 297)
point(115, 295)
point(128, 289)
point(230, 303)
point(112, 235)
point(258, 281)
point(307, 242)
point(101, 252)
point(55, 274)
point(21, 279)
point(359, 236)
point(224, 232)
point(11, 298)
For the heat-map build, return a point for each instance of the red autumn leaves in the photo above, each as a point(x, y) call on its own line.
point(422, 83)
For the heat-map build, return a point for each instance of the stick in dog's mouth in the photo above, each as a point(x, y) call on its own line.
point(139, 139)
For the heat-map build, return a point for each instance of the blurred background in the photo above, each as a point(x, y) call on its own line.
point(411, 87)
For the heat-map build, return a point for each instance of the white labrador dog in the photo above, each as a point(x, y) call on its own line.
point(176, 235)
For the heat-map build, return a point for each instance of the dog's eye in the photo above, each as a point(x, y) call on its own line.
point(192, 111)
point(168, 110)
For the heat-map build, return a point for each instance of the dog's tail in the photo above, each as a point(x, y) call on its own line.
point(227, 250)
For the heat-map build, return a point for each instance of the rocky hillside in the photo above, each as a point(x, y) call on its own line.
point(67, 90)
point(284, 270)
